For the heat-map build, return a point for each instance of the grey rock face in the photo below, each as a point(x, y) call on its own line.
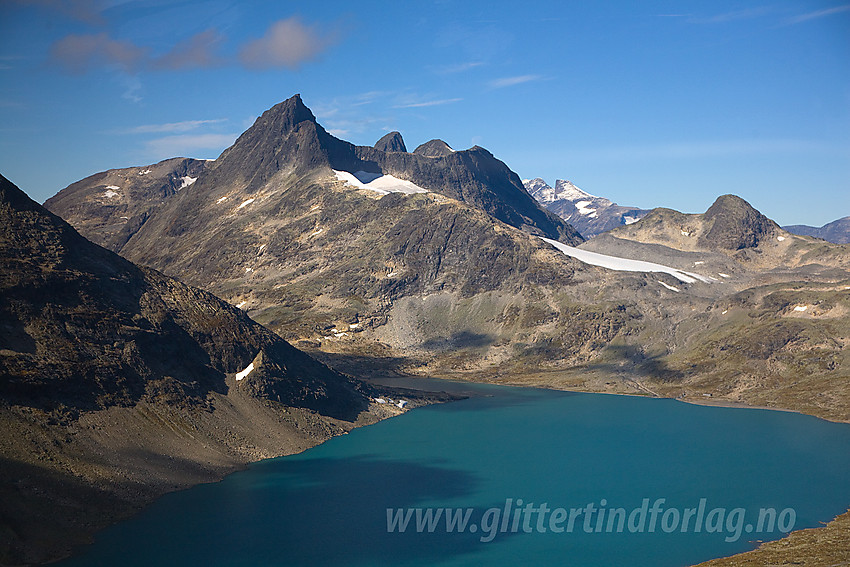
point(391, 142)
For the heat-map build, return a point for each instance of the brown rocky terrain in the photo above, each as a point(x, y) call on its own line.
point(118, 384)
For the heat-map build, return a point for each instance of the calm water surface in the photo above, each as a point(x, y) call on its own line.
point(328, 506)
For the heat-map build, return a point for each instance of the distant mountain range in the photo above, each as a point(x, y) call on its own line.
point(590, 215)
point(837, 231)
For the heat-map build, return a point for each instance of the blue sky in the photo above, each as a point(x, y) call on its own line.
point(646, 103)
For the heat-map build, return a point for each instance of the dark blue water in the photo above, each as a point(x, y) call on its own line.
point(328, 506)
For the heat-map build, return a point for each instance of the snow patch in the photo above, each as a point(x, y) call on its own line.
point(145, 172)
point(722, 275)
point(186, 182)
point(685, 233)
point(583, 208)
point(725, 312)
point(780, 238)
point(801, 307)
point(110, 191)
point(630, 220)
point(242, 374)
point(221, 199)
point(623, 264)
point(697, 263)
point(670, 287)
point(381, 400)
point(241, 305)
point(317, 232)
point(246, 202)
point(381, 184)
point(249, 270)
point(401, 403)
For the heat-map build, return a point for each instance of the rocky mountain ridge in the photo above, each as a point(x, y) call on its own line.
point(837, 231)
point(589, 214)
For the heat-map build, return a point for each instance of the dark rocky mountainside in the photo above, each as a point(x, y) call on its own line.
point(109, 207)
point(118, 384)
point(837, 231)
point(588, 214)
point(392, 142)
point(85, 329)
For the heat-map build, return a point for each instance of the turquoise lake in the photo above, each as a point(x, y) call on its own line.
point(329, 505)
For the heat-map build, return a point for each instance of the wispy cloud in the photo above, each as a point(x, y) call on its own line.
point(79, 53)
point(817, 14)
point(428, 103)
point(511, 81)
point(200, 50)
point(172, 127)
point(132, 88)
point(188, 144)
point(457, 68)
point(287, 43)
point(733, 16)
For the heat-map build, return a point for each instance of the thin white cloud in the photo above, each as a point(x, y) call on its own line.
point(287, 43)
point(428, 103)
point(458, 68)
point(511, 81)
point(733, 16)
point(187, 144)
point(132, 88)
point(172, 127)
point(817, 14)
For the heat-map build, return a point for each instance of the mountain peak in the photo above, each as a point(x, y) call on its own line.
point(391, 142)
point(434, 148)
point(566, 190)
point(735, 224)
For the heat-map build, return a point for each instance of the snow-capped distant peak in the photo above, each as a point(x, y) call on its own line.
point(566, 190)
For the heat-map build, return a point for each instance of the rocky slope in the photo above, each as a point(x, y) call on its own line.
point(837, 231)
point(118, 383)
point(590, 215)
point(109, 207)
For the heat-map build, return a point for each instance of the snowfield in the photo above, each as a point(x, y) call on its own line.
point(381, 184)
point(624, 264)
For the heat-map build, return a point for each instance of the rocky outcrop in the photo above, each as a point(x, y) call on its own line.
point(433, 148)
point(391, 142)
point(733, 224)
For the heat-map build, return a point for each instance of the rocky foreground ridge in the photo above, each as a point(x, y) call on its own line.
point(118, 383)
